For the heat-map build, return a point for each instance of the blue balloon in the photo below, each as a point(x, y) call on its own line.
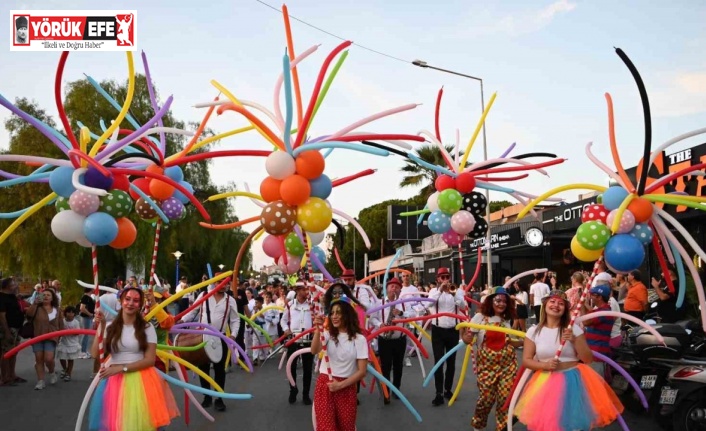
point(439, 222)
point(624, 252)
point(320, 254)
point(321, 187)
point(175, 173)
point(179, 195)
point(643, 232)
point(100, 228)
point(613, 197)
point(60, 181)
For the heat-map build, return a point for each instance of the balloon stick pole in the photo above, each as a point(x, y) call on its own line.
point(97, 293)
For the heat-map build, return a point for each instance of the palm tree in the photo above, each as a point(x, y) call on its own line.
point(416, 175)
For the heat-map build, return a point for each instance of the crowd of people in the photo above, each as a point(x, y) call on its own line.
point(335, 323)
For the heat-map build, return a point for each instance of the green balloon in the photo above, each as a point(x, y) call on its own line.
point(599, 199)
point(116, 203)
point(593, 235)
point(450, 201)
point(294, 245)
point(61, 204)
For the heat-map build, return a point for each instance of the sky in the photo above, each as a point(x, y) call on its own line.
point(550, 63)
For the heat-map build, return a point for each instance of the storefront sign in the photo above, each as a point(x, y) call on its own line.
point(499, 240)
point(566, 216)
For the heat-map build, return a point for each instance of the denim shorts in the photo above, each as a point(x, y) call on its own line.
point(44, 346)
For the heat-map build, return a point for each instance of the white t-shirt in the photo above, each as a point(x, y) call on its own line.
point(548, 341)
point(602, 278)
point(128, 347)
point(524, 297)
point(539, 290)
point(344, 356)
point(614, 306)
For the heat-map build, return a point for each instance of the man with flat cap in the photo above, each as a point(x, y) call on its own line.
point(21, 27)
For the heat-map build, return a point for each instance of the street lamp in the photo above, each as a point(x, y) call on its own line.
point(178, 255)
point(221, 266)
point(424, 64)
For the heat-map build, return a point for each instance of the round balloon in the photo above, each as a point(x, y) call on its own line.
point(278, 218)
point(295, 190)
point(145, 210)
point(60, 181)
point(314, 215)
point(292, 266)
point(462, 222)
point(433, 202)
point(67, 226)
point(480, 229)
point(175, 173)
point(613, 197)
point(310, 164)
point(595, 212)
point(624, 252)
point(583, 254)
point(593, 235)
point(121, 182)
point(316, 237)
point(116, 203)
point(141, 183)
point(450, 201)
point(172, 208)
point(643, 232)
point(465, 183)
point(272, 247)
point(451, 238)
point(100, 228)
point(444, 182)
point(641, 208)
point(84, 203)
point(179, 195)
point(62, 204)
point(293, 245)
point(439, 222)
point(127, 233)
point(269, 189)
point(321, 187)
point(320, 254)
point(93, 178)
point(279, 165)
point(474, 203)
point(627, 221)
point(160, 189)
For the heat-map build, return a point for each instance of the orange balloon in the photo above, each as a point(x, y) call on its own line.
point(126, 233)
point(160, 190)
point(310, 164)
point(295, 190)
point(269, 189)
point(641, 208)
point(155, 169)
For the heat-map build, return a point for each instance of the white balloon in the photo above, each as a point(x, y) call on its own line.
point(279, 165)
point(67, 226)
point(462, 222)
point(432, 202)
point(316, 237)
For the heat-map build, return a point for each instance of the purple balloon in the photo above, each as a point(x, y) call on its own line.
point(172, 207)
point(93, 178)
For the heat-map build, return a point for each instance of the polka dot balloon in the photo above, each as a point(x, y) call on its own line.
point(462, 222)
point(278, 218)
point(474, 203)
point(61, 204)
point(643, 232)
point(593, 235)
point(173, 208)
point(627, 221)
point(116, 203)
point(480, 228)
point(83, 203)
point(145, 210)
point(594, 212)
point(439, 222)
point(314, 215)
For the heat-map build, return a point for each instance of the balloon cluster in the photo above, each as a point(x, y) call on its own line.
point(162, 195)
point(456, 210)
point(623, 250)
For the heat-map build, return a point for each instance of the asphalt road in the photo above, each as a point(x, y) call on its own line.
point(55, 408)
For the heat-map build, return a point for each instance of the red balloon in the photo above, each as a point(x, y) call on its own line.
point(121, 182)
point(155, 169)
point(295, 190)
point(126, 233)
point(310, 164)
point(142, 184)
point(465, 183)
point(444, 182)
point(269, 189)
point(595, 212)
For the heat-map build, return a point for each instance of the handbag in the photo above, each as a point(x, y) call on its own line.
point(27, 330)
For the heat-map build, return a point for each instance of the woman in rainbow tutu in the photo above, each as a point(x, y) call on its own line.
point(563, 394)
point(131, 396)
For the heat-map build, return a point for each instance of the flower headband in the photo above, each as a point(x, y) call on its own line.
point(556, 293)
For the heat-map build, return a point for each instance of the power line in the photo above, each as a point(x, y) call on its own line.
point(336, 36)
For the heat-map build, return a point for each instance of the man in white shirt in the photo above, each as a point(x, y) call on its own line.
point(219, 310)
point(56, 285)
point(444, 335)
point(362, 292)
point(602, 277)
point(411, 291)
point(295, 320)
point(538, 290)
point(184, 300)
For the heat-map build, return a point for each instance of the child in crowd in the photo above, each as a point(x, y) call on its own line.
point(69, 347)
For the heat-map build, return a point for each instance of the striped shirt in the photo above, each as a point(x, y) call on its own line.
point(598, 331)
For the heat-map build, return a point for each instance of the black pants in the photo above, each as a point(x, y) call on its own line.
point(639, 314)
point(392, 358)
point(308, 361)
point(443, 340)
point(240, 337)
point(537, 311)
point(219, 370)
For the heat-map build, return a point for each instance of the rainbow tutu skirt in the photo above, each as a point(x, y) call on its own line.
point(137, 401)
point(572, 399)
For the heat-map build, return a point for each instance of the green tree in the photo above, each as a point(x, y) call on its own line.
point(498, 205)
point(416, 175)
point(33, 251)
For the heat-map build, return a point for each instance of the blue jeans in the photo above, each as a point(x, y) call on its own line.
point(44, 346)
point(86, 340)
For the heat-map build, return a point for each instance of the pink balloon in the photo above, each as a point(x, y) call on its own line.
point(272, 246)
point(451, 238)
point(292, 266)
point(83, 203)
point(627, 222)
point(462, 222)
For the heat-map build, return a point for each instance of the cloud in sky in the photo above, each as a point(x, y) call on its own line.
point(522, 22)
point(682, 94)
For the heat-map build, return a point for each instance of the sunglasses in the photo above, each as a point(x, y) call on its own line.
point(445, 277)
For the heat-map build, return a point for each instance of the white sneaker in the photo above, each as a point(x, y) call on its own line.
point(407, 362)
point(40, 385)
point(52, 379)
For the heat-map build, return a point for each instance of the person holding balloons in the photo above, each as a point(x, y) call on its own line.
point(496, 360)
point(563, 393)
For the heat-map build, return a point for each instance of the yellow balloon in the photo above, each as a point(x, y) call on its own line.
point(583, 254)
point(314, 215)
